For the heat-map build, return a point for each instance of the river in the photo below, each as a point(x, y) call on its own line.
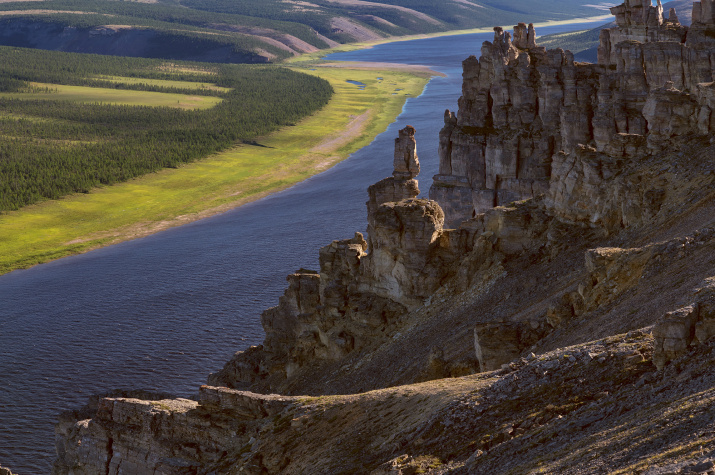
point(161, 312)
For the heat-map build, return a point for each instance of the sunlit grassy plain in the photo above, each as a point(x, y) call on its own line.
point(53, 229)
point(126, 97)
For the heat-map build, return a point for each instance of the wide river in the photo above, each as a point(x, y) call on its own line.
point(162, 312)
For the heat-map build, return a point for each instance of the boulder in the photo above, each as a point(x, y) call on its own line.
point(690, 325)
point(673, 334)
point(498, 343)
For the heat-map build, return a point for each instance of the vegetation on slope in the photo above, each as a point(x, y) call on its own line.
point(56, 147)
point(250, 30)
point(79, 222)
point(583, 44)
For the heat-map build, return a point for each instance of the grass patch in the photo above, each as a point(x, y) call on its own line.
point(79, 222)
point(100, 95)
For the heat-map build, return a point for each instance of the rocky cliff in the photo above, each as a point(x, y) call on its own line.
point(550, 310)
point(526, 113)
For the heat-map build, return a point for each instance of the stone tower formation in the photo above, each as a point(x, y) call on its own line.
point(525, 111)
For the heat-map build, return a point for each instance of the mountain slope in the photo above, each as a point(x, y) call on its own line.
point(584, 44)
point(251, 30)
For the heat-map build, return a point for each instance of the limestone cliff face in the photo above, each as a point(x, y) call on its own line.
point(533, 122)
point(608, 171)
point(363, 287)
point(136, 434)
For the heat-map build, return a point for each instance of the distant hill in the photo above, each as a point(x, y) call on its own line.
point(584, 44)
point(251, 30)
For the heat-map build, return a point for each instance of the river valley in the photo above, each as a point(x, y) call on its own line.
point(161, 312)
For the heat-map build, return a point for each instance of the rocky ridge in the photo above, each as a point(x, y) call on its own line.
point(568, 332)
point(528, 116)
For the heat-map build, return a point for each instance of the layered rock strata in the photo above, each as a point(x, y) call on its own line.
point(687, 326)
point(608, 153)
point(163, 436)
point(534, 122)
point(363, 288)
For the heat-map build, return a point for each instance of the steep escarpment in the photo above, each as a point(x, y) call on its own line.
point(551, 310)
point(524, 110)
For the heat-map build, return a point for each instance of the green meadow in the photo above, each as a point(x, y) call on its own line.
point(75, 122)
point(108, 214)
point(101, 95)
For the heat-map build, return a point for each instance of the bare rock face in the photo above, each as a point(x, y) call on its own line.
point(687, 326)
point(499, 146)
point(673, 17)
point(612, 272)
point(669, 113)
point(404, 234)
point(705, 296)
point(673, 334)
point(406, 163)
point(363, 286)
point(542, 147)
point(497, 344)
point(704, 12)
point(533, 122)
point(171, 436)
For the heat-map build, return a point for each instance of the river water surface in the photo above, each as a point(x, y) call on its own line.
point(161, 312)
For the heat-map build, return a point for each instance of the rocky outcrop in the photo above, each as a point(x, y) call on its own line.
point(704, 12)
point(531, 123)
point(534, 122)
point(363, 288)
point(151, 436)
point(687, 326)
point(498, 343)
point(564, 188)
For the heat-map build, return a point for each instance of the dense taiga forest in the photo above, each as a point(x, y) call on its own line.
point(54, 147)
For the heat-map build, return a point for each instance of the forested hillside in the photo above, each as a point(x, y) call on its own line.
point(53, 146)
point(251, 31)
